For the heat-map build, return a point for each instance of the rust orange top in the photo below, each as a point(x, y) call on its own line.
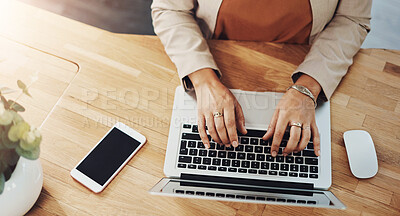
point(287, 21)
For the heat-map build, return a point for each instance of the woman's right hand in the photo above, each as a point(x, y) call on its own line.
point(212, 96)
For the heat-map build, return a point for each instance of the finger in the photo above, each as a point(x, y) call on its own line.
point(221, 129)
point(230, 123)
point(293, 140)
point(305, 138)
point(278, 134)
point(316, 140)
point(201, 122)
point(271, 126)
point(240, 122)
point(211, 128)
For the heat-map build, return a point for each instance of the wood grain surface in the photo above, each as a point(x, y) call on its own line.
point(130, 79)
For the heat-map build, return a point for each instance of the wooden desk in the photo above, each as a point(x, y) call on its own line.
point(129, 78)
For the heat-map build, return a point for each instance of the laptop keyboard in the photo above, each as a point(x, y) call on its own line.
point(253, 156)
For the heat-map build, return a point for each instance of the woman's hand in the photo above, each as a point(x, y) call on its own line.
point(212, 96)
point(295, 107)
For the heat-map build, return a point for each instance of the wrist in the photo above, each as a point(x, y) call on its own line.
point(204, 76)
point(310, 83)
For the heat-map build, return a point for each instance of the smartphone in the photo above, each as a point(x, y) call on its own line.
point(108, 157)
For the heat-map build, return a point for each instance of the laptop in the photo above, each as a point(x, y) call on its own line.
point(247, 173)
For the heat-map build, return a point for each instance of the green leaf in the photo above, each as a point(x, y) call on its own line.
point(16, 106)
point(31, 155)
point(21, 85)
point(2, 182)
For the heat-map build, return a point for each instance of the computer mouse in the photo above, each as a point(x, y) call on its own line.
point(361, 153)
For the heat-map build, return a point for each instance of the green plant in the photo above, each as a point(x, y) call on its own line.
point(17, 137)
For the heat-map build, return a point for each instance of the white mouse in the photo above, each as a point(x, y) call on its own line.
point(361, 153)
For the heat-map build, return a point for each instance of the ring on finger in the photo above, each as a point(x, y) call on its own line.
point(218, 114)
point(296, 124)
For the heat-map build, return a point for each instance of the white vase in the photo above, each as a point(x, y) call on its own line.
point(23, 188)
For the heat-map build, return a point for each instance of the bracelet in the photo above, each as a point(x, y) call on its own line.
point(305, 91)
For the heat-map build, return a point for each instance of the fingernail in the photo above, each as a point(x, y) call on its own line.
point(227, 145)
point(273, 153)
point(285, 154)
point(296, 152)
point(319, 152)
point(207, 145)
point(235, 144)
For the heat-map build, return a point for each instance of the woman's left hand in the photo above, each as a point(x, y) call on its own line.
point(295, 107)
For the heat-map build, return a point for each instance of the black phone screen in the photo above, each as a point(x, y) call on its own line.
point(108, 156)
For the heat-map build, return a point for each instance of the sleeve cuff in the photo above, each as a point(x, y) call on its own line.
point(187, 83)
point(322, 95)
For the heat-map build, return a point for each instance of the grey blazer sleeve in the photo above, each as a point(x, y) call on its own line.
point(333, 49)
point(175, 25)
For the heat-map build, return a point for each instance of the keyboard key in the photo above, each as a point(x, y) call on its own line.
point(292, 174)
point(245, 164)
point(190, 136)
point(263, 142)
point(212, 145)
point(269, 158)
point(255, 133)
point(210, 194)
point(248, 148)
point(180, 191)
point(273, 172)
point(289, 159)
point(232, 155)
point(310, 145)
point(200, 145)
point(240, 197)
point(284, 167)
point(255, 164)
point(312, 161)
point(241, 155)
point(222, 168)
point(303, 168)
point(275, 166)
point(192, 166)
point(271, 199)
point(222, 154)
point(236, 163)
point(258, 149)
point(283, 173)
point(297, 154)
point(240, 148)
point(242, 170)
point(230, 148)
point(185, 159)
point(251, 156)
point(301, 201)
point(195, 129)
point(213, 168)
point(244, 140)
point(294, 167)
point(220, 147)
point(267, 150)
point(203, 152)
point(212, 153)
point(232, 169)
point(252, 171)
point(313, 169)
point(199, 193)
point(312, 202)
point(291, 201)
point(183, 151)
point(192, 144)
point(220, 195)
point(313, 176)
point(260, 198)
point(264, 172)
point(207, 161)
point(190, 192)
point(283, 143)
point(181, 165)
point(280, 151)
point(298, 160)
point(280, 158)
point(202, 167)
point(264, 165)
point(197, 160)
point(193, 152)
point(183, 144)
point(303, 175)
point(216, 161)
point(187, 126)
point(230, 196)
point(226, 162)
point(261, 157)
point(309, 153)
point(281, 200)
point(254, 141)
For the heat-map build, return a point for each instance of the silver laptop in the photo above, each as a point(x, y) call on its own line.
point(247, 173)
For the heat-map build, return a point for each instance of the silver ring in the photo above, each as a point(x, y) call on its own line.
point(296, 124)
point(217, 114)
